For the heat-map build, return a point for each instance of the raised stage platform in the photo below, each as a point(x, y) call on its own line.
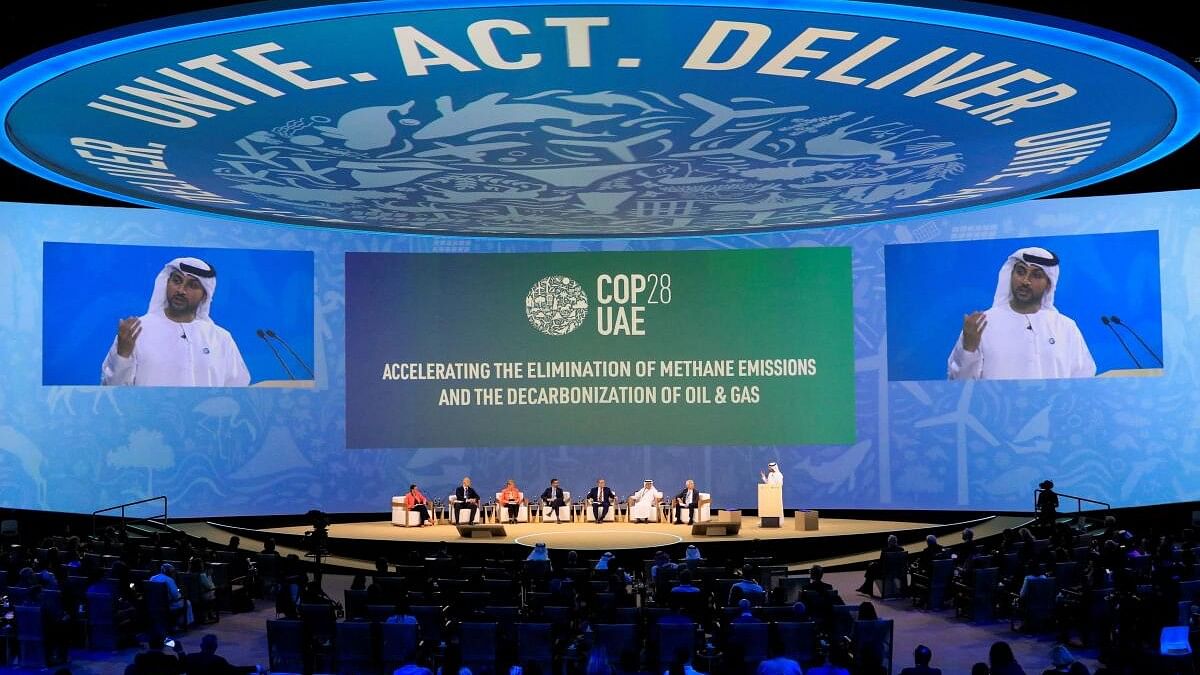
point(838, 543)
point(608, 536)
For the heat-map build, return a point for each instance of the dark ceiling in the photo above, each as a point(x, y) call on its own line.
point(38, 25)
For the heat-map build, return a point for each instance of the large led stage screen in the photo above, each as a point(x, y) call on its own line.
point(1093, 308)
point(255, 327)
point(647, 348)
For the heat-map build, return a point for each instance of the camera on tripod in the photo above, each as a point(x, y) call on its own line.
point(316, 540)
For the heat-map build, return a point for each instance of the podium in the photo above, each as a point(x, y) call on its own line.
point(807, 521)
point(770, 505)
point(1132, 372)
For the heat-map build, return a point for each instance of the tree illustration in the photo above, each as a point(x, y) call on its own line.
point(145, 450)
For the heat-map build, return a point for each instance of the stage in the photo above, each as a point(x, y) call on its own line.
point(608, 536)
point(355, 544)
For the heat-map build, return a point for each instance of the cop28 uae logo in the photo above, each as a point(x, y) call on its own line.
point(584, 120)
point(556, 305)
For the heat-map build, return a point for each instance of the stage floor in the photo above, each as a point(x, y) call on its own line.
point(593, 537)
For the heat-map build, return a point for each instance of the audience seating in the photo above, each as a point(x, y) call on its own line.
point(872, 645)
point(749, 642)
point(930, 592)
point(797, 640)
point(285, 646)
point(535, 645)
point(478, 643)
point(356, 652)
point(674, 639)
point(893, 575)
point(977, 600)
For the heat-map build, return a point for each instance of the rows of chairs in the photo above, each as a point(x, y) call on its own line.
point(47, 622)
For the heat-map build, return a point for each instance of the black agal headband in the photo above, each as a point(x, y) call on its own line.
point(203, 273)
point(1052, 261)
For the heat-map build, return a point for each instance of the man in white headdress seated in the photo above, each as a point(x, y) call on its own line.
point(643, 504)
point(1022, 336)
point(175, 343)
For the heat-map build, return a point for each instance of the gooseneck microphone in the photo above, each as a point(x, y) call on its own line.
point(1117, 320)
point(1108, 323)
point(263, 336)
point(271, 333)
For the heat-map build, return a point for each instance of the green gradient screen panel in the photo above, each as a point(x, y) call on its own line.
point(641, 348)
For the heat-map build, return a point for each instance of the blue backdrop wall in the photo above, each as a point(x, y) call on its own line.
point(921, 444)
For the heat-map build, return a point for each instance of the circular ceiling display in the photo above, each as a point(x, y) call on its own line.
point(560, 119)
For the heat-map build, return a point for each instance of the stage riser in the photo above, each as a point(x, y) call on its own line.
point(805, 546)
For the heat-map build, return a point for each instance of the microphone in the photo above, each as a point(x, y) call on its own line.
point(274, 351)
point(1106, 322)
point(1117, 320)
point(271, 333)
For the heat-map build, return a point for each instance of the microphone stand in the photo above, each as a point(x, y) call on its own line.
point(1117, 320)
point(1106, 322)
point(274, 351)
point(271, 333)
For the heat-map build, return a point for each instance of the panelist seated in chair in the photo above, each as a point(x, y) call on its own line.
point(512, 499)
point(601, 499)
point(553, 500)
point(643, 504)
point(417, 502)
point(688, 498)
point(465, 497)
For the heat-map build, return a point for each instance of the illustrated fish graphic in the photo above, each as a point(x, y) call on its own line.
point(608, 99)
point(488, 112)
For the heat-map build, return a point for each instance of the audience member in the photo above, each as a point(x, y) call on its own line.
point(815, 580)
point(1061, 661)
point(746, 615)
point(781, 666)
point(157, 660)
point(206, 661)
point(875, 568)
point(922, 655)
point(1001, 660)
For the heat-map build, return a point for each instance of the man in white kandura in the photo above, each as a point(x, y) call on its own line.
point(1022, 336)
point(644, 502)
point(773, 476)
point(175, 343)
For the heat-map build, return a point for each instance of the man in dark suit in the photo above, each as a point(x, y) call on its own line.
point(688, 498)
point(875, 569)
point(465, 497)
point(552, 498)
point(815, 581)
point(602, 499)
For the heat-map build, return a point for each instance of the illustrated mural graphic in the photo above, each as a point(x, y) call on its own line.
point(567, 162)
point(556, 305)
point(629, 120)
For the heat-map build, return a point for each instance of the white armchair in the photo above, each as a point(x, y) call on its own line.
point(502, 510)
point(466, 516)
point(703, 509)
point(608, 518)
point(651, 512)
point(563, 513)
point(401, 516)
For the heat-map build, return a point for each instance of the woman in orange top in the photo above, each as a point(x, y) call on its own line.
point(511, 497)
point(415, 501)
